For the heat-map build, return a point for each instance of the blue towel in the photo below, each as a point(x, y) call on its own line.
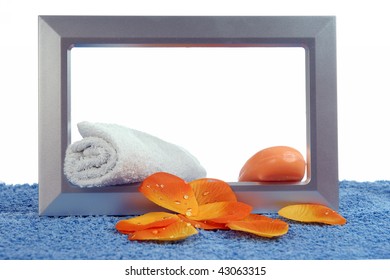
point(25, 235)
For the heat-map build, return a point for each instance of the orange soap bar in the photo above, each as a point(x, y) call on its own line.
point(274, 164)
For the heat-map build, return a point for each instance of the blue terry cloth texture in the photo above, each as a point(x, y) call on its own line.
point(26, 235)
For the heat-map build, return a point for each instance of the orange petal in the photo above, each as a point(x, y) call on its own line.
point(212, 190)
point(206, 225)
point(149, 220)
point(222, 212)
point(312, 213)
point(175, 231)
point(170, 192)
point(265, 228)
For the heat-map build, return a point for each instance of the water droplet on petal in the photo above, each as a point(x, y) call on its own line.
point(185, 196)
point(155, 231)
point(189, 212)
point(177, 202)
point(206, 193)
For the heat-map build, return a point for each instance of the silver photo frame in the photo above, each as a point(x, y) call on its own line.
point(59, 34)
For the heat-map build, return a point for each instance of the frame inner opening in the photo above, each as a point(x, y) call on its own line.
point(222, 104)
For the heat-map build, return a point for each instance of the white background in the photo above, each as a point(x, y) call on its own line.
point(275, 269)
point(363, 73)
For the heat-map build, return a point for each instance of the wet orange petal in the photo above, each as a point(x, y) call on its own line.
point(212, 190)
point(170, 192)
point(149, 220)
point(206, 225)
point(176, 231)
point(265, 228)
point(222, 212)
point(312, 213)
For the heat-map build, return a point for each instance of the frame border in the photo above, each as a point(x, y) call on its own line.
point(59, 34)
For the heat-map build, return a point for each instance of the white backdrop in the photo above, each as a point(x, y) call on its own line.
point(363, 61)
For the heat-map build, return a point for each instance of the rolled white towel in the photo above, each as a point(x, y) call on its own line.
point(110, 154)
